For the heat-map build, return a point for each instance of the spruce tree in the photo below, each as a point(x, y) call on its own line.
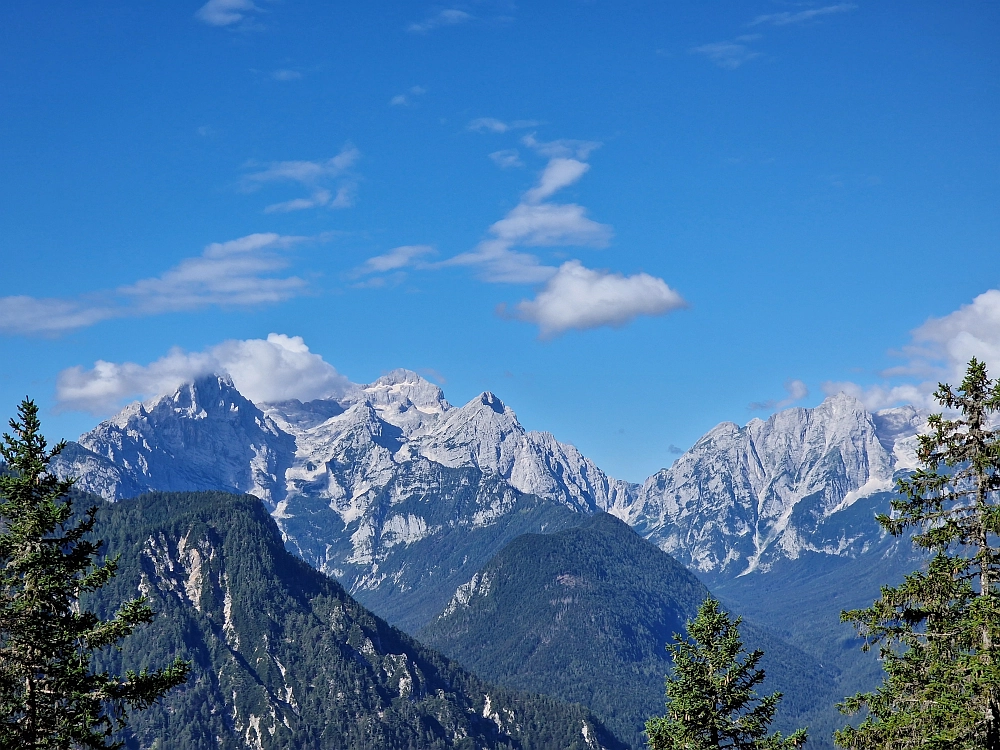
point(711, 695)
point(938, 631)
point(49, 695)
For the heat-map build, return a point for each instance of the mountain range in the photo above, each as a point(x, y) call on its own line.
point(406, 499)
point(355, 480)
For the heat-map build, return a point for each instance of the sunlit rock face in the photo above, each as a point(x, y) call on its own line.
point(744, 497)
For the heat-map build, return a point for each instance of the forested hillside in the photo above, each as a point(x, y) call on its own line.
point(585, 614)
point(283, 657)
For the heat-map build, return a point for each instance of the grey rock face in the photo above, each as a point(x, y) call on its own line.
point(206, 436)
point(743, 497)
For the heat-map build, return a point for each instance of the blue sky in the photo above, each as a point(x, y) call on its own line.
point(630, 220)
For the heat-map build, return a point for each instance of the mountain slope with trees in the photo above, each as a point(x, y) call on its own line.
point(585, 614)
point(282, 657)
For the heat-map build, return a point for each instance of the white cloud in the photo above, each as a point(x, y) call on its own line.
point(507, 158)
point(286, 75)
point(448, 17)
point(498, 263)
point(493, 125)
point(304, 172)
point(240, 272)
point(581, 298)
point(225, 12)
point(728, 55)
point(488, 125)
point(559, 173)
point(395, 259)
point(234, 273)
point(276, 369)
point(319, 198)
point(939, 351)
point(48, 316)
point(535, 223)
point(786, 18)
point(404, 100)
point(316, 175)
point(565, 148)
point(549, 224)
point(796, 391)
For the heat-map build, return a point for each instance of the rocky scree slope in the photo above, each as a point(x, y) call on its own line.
point(283, 656)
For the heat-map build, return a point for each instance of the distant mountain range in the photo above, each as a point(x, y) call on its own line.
point(408, 501)
point(355, 480)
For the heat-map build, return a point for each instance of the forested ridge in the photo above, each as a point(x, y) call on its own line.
point(586, 613)
point(282, 656)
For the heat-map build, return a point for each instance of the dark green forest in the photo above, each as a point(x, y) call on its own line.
point(282, 656)
point(585, 614)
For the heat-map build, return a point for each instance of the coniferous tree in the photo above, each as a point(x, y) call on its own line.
point(49, 696)
point(712, 700)
point(938, 632)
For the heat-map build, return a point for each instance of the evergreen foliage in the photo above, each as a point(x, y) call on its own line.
point(50, 697)
point(283, 657)
point(584, 614)
point(712, 700)
point(938, 631)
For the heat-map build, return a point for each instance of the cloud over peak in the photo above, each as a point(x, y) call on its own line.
point(274, 369)
point(796, 391)
point(939, 351)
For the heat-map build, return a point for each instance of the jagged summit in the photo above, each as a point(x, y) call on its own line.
point(203, 436)
point(743, 497)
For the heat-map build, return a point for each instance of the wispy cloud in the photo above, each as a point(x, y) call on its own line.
point(728, 55)
point(786, 18)
point(493, 125)
point(447, 17)
point(318, 176)
point(235, 273)
point(396, 259)
point(939, 351)
point(226, 12)
point(581, 298)
point(796, 391)
point(572, 296)
point(405, 100)
point(565, 148)
point(274, 369)
point(507, 158)
point(241, 272)
point(48, 316)
point(285, 75)
point(559, 173)
point(536, 223)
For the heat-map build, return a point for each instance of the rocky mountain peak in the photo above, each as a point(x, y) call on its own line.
point(406, 387)
point(742, 498)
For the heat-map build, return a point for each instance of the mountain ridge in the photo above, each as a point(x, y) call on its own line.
point(337, 475)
